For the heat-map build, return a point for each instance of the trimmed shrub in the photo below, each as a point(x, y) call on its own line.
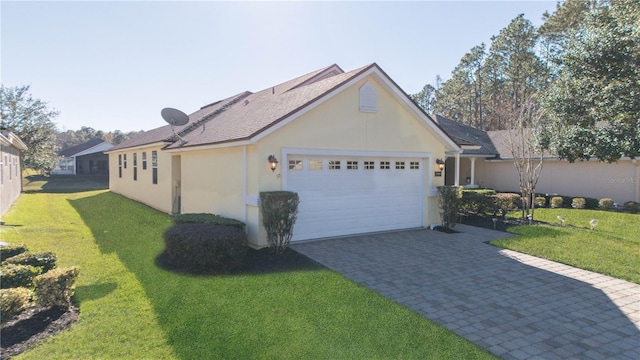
point(505, 202)
point(200, 248)
point(13, 275)
point(44, 260)
point(279, 215)
point(556, 202)
point(449, 202)
point(606, 204)
point(578, 203)
point(203, 218)
point(56, 287)
point(540, 201)
point(11, 251)
point(478, 201)
point(591, 203)
point(13, 302)
point(632, 206)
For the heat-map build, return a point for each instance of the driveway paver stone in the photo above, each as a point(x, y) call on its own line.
point(517, 306)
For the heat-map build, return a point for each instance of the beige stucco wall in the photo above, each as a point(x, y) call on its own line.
point(619, 181)
point(338, 124)
point(212, 182)
point(155, 195)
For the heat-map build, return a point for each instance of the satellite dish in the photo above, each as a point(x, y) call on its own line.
point(175, 117)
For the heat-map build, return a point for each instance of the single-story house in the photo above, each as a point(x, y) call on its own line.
point(84, 159)
point(358, 151)
point(10, 169)
point(486, 161)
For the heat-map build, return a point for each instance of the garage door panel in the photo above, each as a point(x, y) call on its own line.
point(352, 201)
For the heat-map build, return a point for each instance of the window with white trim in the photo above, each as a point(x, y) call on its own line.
point(369, 165)
point(135, 166)
point(295, 164)
point(125, 160)
point(144, 160)
point(414, 165)
point(385, 165)
point(120, 165)
point(154, 166)
point(399, 165)
point(352, 165)
point(334, 164)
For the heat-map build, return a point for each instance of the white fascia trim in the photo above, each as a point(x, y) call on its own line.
point(211, 146)
point(95, 149)
point(141, 147)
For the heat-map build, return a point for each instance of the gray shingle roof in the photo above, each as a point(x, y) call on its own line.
point(80, 148)
point(466, 135)
point(247, 114)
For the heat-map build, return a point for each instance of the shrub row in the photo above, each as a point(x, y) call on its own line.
point(205, 247)
point(27, 277)
point(488, 201)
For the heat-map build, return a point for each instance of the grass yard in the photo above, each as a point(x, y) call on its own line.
point(130, 308)
point(613, 248)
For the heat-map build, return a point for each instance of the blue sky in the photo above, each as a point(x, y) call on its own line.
point(115, 65)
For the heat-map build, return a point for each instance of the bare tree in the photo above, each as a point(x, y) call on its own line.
point(524, 139)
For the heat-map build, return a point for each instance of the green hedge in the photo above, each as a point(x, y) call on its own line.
point(201, 247)
point(203, 218)
point(13, 275)
point(578, 203)
point(56, 287)
point(44, 260)
point(606, 204)
point(9, 251)
point(13, 302)
point(279, 214)
point(632, 206)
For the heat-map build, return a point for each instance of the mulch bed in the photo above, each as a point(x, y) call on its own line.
point(33, 326)
point(487, 222)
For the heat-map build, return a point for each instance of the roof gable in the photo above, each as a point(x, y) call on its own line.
point(250, 116)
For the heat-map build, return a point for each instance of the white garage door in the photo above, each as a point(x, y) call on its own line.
point(342, 195)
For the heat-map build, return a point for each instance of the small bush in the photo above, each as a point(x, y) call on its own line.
point(279, 215)
point(198, 248)
point(632, 206)
point(591, 203)
point(477, 201)
point(13, 302)
point(449, 202)
point(556, 202)
point(11, 251)
point(56, 287)
point(12, 275)
point(540, 201)
point(506, 202)
point(203, 218)
point(44, 260)
point(606, 204)
point(578, 203)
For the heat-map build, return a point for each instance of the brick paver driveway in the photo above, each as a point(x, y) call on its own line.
point(516, 306)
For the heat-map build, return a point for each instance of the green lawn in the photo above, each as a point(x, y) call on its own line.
point(613, 248)
point(132, 309)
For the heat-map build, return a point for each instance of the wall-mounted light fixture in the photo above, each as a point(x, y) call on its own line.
point(440, 164)
point(273, 162)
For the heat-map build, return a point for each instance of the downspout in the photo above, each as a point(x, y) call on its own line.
point(636, 189)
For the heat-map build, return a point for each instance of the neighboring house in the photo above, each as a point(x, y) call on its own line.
point(360, 154)
point(10, 169)
point(84, 159)
point(486, 161)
